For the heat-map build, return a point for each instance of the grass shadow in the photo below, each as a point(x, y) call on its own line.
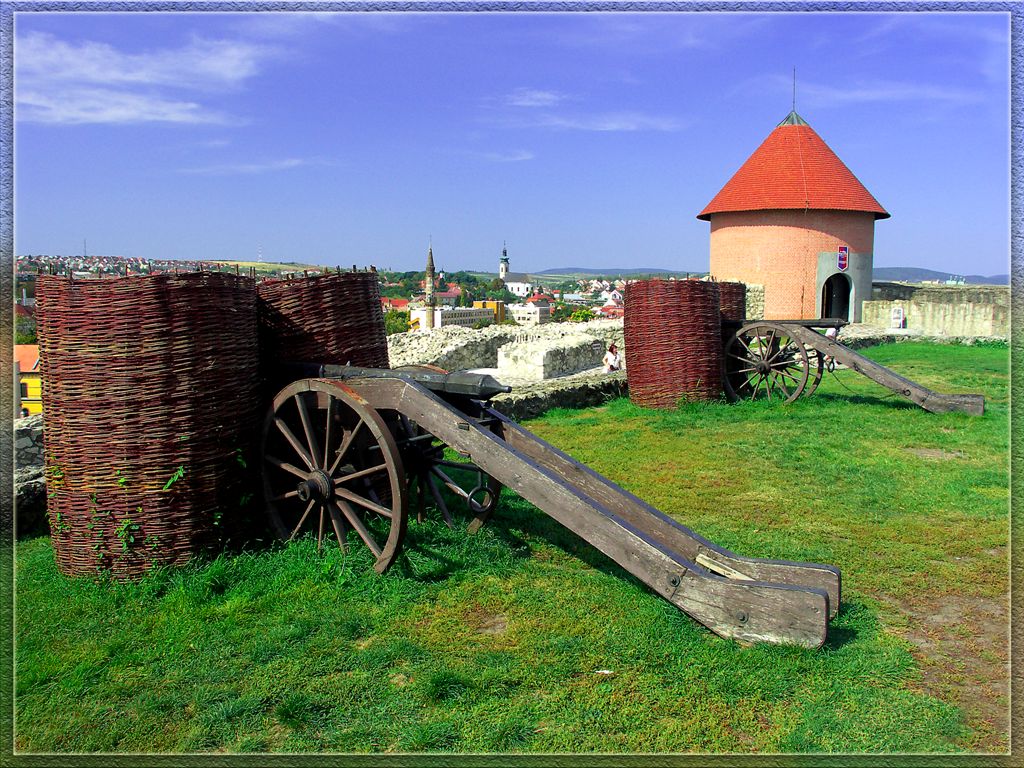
point(893, 400)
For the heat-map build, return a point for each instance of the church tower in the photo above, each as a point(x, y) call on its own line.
point(503, 265)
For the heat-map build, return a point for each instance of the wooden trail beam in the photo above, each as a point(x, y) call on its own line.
point(935, 402)
point(748, 610)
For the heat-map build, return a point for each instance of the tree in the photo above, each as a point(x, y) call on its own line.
point(561, 312)
point(396, 321)
point(497, 284)
point(25, 330)
point(581, 316)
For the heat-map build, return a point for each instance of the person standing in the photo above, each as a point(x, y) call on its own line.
point(611, 359)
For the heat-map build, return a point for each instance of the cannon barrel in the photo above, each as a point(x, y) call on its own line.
point(479, 386)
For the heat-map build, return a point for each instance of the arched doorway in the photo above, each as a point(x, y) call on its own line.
point(835, 297)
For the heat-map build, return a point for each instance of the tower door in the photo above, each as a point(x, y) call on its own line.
point(835, 297)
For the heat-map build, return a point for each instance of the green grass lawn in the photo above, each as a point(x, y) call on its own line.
point(522, 638)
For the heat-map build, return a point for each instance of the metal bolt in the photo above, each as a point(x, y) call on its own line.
point(674, 580)
point(741, 617)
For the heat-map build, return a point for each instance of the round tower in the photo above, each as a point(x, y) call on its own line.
point(795, 220)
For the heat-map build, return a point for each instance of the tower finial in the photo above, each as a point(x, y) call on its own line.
point(794, 89)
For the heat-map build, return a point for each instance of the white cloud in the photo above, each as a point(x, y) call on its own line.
point(89, 82)
point(531, 97)
point(100, 105)
point(612, 121)
point(881, 91)
point(515, 156)
point(235, 169)
point(201, 64)
point(825, 96)
point(540, 112)
point(287, 24)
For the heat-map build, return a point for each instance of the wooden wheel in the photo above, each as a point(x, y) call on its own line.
point(762, 361)
point(428, 470)
point(329, 459)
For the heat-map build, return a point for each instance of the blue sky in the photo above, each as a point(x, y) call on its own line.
point(581, 139)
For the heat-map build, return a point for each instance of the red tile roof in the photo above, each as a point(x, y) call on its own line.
point(26, 356)
point(793, 169)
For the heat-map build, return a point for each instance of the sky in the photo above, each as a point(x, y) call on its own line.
point(574, 139)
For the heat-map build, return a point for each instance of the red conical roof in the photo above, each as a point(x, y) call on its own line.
point(793, 169)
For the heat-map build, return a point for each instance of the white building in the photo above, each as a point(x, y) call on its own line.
point(530, 314)
point(464, 316)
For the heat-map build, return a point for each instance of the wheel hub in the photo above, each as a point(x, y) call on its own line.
point(317, 486)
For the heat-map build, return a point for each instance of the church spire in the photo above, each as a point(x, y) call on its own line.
point(428, 284)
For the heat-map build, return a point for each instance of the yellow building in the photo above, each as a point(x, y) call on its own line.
point(498, 307)
point(29, 384)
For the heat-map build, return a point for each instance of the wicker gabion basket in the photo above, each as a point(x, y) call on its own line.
point(149, 389)
point(334, 318)
point(673, 340)
point(733, 299)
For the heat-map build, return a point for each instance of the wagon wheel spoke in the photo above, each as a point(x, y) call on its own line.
point(358, 525)
point(361, 474)
point(294, 442)
point(328, 431)
point(307, 428)
point(309, 508)
point(355, 498)
point(785, 372)
point(286, 467)
point(341, 528)
point(817, 361)
point(439, 501)
point(780, 384)
point(346, 443)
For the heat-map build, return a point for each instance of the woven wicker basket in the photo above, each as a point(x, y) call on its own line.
point(673, 340)
point(334, 318)
point(149, 390)
point(733, 299)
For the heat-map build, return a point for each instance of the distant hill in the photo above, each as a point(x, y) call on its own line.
point(918, 274)
point(610, 272)
point(904, 274)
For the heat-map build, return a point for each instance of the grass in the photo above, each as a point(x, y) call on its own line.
point(525, 639)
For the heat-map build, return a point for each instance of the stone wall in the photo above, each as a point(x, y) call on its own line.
point(29, 483)
point(755, 302)
point(580, 391)
point(978, 311)
point(459, 349)
point(541, 359)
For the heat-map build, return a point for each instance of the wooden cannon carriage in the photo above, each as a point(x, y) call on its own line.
point(345, 449)
point(781, 360)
